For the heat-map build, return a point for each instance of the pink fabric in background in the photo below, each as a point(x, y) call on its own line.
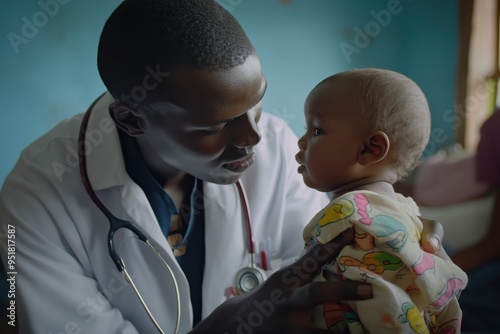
point(488, 151)
point(444, 180)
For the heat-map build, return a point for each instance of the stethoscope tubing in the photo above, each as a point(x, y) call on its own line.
point(116, 224)
point(248, 218)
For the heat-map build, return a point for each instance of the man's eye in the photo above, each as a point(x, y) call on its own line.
point(217, 129)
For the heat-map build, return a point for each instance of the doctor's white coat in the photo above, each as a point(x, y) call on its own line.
point(65, 280)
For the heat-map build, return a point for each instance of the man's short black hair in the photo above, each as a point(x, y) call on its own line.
point(160, 34)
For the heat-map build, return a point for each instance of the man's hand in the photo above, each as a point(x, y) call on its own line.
point(284, 302)
point(432, 235)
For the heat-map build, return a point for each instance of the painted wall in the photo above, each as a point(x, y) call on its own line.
point(48, 49)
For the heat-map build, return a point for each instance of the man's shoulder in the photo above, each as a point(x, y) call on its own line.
point(65, 130)
point(49, 155)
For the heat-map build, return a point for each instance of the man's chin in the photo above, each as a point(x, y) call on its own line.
point(223, 176)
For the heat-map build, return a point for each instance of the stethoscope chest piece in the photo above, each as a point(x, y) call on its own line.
point(248, 278)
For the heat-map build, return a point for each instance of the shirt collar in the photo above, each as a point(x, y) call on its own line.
point(104, 157)
point(136, 167)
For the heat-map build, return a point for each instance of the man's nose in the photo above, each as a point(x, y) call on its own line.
point(246, 133)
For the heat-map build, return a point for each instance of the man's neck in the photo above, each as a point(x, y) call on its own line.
point(175, 182)
point(179, 189)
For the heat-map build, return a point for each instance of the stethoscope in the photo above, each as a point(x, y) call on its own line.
point(247, 278)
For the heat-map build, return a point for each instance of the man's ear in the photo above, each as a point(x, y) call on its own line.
point(127, 119)
point(375, 149)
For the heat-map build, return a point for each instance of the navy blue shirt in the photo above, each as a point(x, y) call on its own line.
point(192, 261)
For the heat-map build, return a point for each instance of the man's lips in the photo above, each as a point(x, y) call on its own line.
point(240, 165)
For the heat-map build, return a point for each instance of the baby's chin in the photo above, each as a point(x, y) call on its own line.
point(314, 185)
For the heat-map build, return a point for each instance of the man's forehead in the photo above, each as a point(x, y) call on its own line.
point(224, 79)
point(212, 93)
point(202, 112)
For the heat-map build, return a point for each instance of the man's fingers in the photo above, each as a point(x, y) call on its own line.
point(307, 266)
point(317, 293)
point(432, 235)
point(325, 253)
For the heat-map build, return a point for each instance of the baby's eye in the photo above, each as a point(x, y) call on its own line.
point(317, 132)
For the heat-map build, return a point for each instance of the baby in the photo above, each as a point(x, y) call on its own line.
point(366, 129)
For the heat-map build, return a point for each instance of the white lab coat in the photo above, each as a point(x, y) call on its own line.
point(66, 281)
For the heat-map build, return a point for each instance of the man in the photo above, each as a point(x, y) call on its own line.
point(163, 149)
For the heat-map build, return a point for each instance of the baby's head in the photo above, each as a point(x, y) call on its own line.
point(361, 124)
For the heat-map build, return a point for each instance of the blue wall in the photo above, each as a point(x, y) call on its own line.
point(50, 73)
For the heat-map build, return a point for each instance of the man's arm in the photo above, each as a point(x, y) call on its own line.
point(55, 292)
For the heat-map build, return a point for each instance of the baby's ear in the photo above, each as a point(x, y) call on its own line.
point(375, 149)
